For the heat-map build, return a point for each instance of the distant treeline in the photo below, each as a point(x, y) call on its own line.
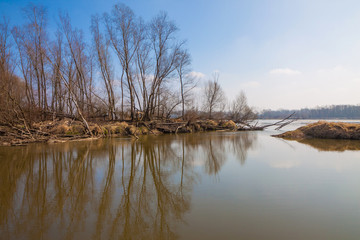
point(326, 112)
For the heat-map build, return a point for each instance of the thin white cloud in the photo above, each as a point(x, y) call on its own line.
point(197, 75)
point(251, 84)
point(339, 69)
point(284, 71)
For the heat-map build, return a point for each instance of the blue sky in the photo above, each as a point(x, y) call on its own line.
point(283, 54)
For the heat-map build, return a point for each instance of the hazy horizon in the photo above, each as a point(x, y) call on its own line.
point(282, 55)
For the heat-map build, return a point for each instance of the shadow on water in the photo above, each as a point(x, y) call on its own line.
point(110, 188)
point(332, 144)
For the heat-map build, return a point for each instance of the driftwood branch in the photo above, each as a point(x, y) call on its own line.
point(282, 123)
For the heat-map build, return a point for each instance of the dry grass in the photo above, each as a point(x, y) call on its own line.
point(96, 130)
point(144, 130)
point(60, 129)
point(208, 124)
point(120, 127)
point(211, 123)
point(229, 125)
point(323, 129)
point(132, 130)
point(77, 130)
point(189, 129)
point(197, 127)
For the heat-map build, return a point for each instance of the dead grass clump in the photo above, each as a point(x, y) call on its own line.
point(144, 130)
point(189, 129)
point(60, 129)
point(120, 127)
point(327, 130)
point(115, 129)
point(229, 125)
point(76, 130)
point(132, 130)
point(119, 130)
point(296, 134)
point(110, 129)
point(96, 130)
point(105, 131)
point(121, 124)
point(209, 125)
point(197, 127)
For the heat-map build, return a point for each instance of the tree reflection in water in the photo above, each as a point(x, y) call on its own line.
point(108, 189)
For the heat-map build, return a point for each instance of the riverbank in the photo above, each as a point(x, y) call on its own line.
point(68, 129)
point(325, 130)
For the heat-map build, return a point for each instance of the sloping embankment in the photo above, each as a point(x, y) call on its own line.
point(323, 129)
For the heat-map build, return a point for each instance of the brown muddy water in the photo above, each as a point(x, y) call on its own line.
point(217, 185)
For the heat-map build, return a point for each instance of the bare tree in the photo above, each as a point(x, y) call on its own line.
point(75, 80)
point(25, 68)
point(57, 74)
point(58, 92)
point(148, 55)
point(79, 58)
point(214, 96)
point(143, 66)
point(123, 32)
point(240, 111)
point(6, 63)
point(12, 94)
point(187, 82)
point(103, 60)
point(166, 53)
point(169, 100)
point(31, 40)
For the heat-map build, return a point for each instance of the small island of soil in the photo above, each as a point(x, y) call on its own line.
point(325, 130)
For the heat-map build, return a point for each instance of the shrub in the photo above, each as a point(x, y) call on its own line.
point(132, 130)
point(229, 125)
point(120, 127)
point(96, 130)
point(144, 130)
point(60, 129)
point(211, 123)
point(105, 131)
point(197, 127)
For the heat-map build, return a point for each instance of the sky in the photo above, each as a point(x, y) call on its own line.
point(284, 54)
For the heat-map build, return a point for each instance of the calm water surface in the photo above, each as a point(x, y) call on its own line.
point(218, 185)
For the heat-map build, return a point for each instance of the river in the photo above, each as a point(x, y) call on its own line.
point(215, 185)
